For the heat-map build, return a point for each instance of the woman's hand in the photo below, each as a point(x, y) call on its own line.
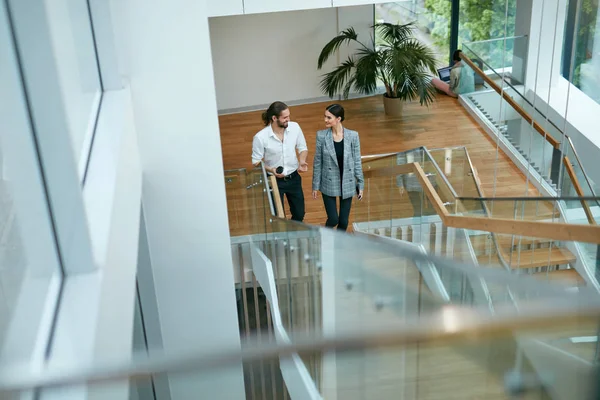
point(360, 194)
point(315, 194)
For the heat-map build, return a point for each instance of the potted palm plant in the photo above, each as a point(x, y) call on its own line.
point(399, 61)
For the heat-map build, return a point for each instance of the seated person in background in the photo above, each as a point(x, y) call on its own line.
point(462, 79)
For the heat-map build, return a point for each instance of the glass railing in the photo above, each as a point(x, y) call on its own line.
point(547, 152)
point(570, 262)
point(327, 283)
point(498, 55)
point(383, 349)
point(344, 314)
point(400, 208)
point(536, 253)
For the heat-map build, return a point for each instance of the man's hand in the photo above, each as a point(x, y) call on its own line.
point(303, 166)
point(315, 194)
point(360, 194)
point(272, 170)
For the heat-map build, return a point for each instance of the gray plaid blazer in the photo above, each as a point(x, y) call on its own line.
point(326, 172)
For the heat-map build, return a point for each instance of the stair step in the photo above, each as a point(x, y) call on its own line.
point(531, 258)
point(530, 210)
point(540, 258)
point(570, 276)
point(506, 242)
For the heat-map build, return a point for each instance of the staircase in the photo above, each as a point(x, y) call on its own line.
point(502, 127)
point(542, 258)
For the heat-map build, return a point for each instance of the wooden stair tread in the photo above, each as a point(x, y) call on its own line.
point(506, 242)
point(532, 210)
point(568, 275)
point(540, 258)
point(532, 258)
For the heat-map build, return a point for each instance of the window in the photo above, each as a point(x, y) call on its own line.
point(487, 22)
point(30, 271)
point(431, 18)
point(72, 51)
point(581, 47)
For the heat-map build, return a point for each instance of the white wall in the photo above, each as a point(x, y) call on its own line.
point(239, 7)
point(546, 33)
point(165, 54)
point(266, 57)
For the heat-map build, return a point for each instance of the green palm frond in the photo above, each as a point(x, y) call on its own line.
point(333, 82)
point(367, 67)
point(394, 34)
point(416, 85)
point(348, 86)
point(401, 62)
point(345, 36)
point(422, 54)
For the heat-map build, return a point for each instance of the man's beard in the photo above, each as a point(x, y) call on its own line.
point(282, 125)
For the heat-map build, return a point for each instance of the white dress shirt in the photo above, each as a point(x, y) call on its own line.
point(266, 145)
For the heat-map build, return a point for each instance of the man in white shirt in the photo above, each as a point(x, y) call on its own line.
point(276, 144)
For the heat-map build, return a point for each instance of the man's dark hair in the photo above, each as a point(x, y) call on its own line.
point(336, 110)
point(456, 55)
point(274, 110)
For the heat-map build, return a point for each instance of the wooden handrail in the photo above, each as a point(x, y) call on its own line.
point(547, 230)
point(276, 197)
point(555, 143)
point(579, 190)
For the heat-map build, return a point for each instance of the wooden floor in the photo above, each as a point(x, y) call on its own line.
point(444, 124)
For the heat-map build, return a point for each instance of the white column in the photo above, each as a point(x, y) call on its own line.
point(164, 51)
point(545, 43)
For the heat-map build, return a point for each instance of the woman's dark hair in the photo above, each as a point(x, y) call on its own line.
point(456, 55)
point(274, 110)
point(336, 110)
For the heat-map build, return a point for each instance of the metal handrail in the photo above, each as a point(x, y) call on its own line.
point(487, 213)
point(496, 39)
point(533, 198)
point(447, 326)
point(423, 149)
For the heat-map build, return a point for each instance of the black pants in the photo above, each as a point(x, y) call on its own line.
point(333, 218)
point(421, 204)
point(292, 189)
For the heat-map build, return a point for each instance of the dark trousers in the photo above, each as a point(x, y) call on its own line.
point(420, 203)
point(333, 218)
point(292, 189)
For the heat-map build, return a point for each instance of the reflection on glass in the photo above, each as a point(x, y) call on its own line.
point(485, 20)
point(584, 47)
point(431, 17)
point(12, 258)
point(71, 35)
point(74, 54)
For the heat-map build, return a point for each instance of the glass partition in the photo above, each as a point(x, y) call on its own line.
point(496, 55)
point(439, 350)
point(541, 143)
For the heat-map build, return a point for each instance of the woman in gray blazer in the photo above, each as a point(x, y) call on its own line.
point(337, 168)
